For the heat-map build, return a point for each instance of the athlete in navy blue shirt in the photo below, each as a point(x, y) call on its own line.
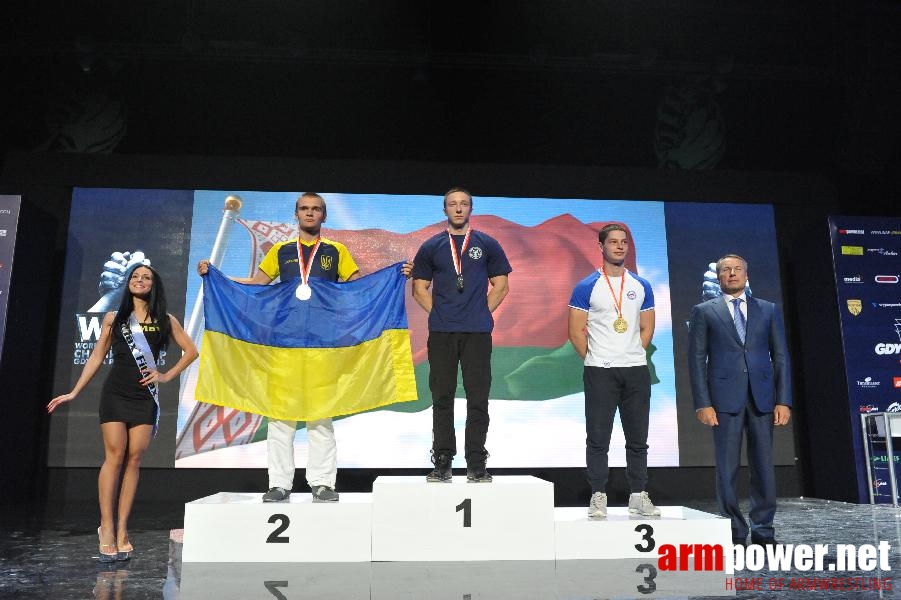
point(451, 276)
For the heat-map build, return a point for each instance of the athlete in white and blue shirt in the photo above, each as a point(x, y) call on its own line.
point(611, 323)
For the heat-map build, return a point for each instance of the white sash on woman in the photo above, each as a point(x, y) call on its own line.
point(143, 355)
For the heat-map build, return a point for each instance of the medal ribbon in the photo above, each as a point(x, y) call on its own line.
point(458, 262)
point(305, 268)
point(622, 285)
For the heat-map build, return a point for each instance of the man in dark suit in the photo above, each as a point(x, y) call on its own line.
point(740, 380)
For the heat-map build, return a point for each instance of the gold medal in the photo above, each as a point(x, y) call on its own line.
point(620, 325)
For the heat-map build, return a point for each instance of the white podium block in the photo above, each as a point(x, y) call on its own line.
point(622, 535)
point(509, 519)
point(232, 527)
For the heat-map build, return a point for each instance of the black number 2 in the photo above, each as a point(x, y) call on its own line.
point(275, 537)
point(648, 533)
point(466, 507)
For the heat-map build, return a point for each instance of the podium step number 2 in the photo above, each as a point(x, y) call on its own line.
point(231, 527)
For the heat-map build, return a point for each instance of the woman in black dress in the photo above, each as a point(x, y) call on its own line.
point(129, 409)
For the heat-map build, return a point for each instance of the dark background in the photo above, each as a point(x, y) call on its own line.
point(790, 103)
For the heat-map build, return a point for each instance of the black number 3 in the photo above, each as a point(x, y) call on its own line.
point(648, 533)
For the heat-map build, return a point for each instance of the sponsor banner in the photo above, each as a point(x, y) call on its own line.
point(9, 219)
point(865, 254)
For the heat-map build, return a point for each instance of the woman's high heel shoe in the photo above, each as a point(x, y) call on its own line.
point(106, 557)
point(125, 552)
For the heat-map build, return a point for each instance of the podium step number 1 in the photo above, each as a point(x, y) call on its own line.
point(509, 519)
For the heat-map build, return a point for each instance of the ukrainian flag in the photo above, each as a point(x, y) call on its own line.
point(343, 351)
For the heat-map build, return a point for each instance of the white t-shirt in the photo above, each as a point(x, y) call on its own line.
point(606, 347)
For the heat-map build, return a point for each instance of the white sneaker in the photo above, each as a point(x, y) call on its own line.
point(597, 508)
point(641, 504)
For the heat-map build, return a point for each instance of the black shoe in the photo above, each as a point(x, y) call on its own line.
point(757, 540)
point(479, 475)
point(740, 541)
point(442, 472)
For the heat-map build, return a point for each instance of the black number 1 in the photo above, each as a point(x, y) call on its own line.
point(466, 507)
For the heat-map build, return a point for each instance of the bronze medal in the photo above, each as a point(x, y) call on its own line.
point(458, 258)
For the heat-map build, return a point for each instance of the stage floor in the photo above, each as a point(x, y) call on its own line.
point(46, 554)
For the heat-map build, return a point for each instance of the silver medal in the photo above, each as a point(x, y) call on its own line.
point(304, 291)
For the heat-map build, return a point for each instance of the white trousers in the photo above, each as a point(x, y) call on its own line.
point(322, 463)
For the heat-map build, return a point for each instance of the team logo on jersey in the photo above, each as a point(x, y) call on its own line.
point(475, 253)
point(855, 307)
point(631, 295)
point(325, 262)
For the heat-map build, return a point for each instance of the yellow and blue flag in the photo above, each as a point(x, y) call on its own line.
point(343, 351)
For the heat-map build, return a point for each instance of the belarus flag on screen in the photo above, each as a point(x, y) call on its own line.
point(343, 351)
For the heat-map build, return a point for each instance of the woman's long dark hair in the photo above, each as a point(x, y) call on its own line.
point(156, 305)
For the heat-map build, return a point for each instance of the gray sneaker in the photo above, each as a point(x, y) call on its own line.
point(597, 507)
point(276, 494)
point(640, 504)
point(323, 493)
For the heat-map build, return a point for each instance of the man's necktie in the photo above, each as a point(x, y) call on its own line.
point(739, 319)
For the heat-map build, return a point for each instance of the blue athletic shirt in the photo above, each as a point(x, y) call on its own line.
point(452, 310)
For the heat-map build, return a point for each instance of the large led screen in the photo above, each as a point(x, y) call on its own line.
point(537, 405)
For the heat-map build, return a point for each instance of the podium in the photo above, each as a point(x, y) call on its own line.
point(407, 520)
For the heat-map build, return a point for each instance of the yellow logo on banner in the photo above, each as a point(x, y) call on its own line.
point(852, 250)
point(855, 307)
point(325, 262)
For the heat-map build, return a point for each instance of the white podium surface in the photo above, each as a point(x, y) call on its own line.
point(235, 527)
point(511, 518)
point(622, 535)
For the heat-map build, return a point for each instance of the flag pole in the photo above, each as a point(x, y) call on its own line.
point(194, 326)
point(229, 216)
